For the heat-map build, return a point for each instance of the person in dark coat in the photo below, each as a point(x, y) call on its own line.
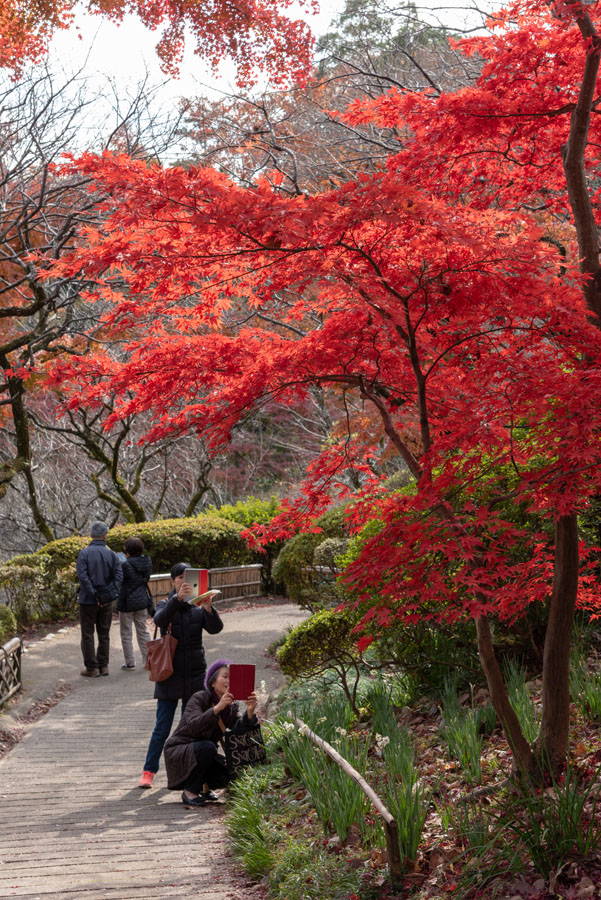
point(135, 601)
point(191, 757)
point(100, 575)
point(189, 665)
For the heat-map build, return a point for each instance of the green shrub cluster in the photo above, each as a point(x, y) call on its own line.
point(249, 512)
point(253, 511)
point(8, 624)
point(324, 641)
point(309, 576)
point(316, 644)
point(207, 540)
point(42, 586)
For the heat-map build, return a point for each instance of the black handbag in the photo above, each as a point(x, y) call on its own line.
point(242, 749)
point(107, 594)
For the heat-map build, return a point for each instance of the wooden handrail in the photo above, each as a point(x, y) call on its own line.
point(10, 668)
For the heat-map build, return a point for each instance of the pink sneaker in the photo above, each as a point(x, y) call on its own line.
point(146, 779)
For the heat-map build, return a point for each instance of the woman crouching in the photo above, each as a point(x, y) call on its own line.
point(191, 759)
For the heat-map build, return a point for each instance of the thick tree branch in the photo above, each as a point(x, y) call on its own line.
point(572, 153)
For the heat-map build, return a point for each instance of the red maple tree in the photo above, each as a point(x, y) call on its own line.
point(255, 33)
point(457, 292)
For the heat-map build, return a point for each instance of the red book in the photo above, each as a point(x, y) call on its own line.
point(242, 681)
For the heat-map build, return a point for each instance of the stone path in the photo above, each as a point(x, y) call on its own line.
point(73, 822)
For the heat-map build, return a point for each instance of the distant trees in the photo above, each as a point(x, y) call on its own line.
point(297, 137)
point(44, 117)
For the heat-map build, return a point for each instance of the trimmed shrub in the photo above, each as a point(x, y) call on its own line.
point(324, 641)
point(42, 586)
point(59, 553)
point(308, 582)
point(328, 553)
point(324, 638)
point(207, 541)
point(8, 624)
point(249, 512)
point(39, 587)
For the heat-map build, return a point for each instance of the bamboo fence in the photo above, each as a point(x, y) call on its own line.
point(234, 582)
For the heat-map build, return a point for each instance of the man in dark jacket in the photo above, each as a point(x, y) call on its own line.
point(100, 576)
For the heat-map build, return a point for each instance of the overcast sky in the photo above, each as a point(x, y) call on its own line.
point(127, 52)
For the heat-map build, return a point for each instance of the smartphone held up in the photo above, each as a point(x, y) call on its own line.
point(198, 579)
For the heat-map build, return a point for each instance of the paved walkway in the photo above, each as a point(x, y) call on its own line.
point(73, 822)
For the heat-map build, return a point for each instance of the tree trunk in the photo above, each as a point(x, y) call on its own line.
point(524, 758)
point(552, 740)
point(22, 462)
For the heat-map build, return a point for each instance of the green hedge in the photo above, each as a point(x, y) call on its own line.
point(42, 586)
point(249, 512)
point(207, 541)
point(8, 624)
point(253, 511)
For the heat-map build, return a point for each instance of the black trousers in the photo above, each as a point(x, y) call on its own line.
point(209, 770)
point(94, 618)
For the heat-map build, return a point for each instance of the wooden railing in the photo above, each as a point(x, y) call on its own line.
point(234, 582)
point(10, 668)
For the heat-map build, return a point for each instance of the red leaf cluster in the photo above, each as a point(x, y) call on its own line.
point(256, 34)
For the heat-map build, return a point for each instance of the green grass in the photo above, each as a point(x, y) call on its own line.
point(250, 834)
point(554, 824)
point(267, 820)
point(461, 729)
point(585, 688)
point(520, 699)
point(304, 872)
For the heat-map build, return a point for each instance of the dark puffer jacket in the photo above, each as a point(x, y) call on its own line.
point(198, 723)
point(134, 590)
point(189, 664)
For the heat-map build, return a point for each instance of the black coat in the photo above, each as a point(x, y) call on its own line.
point(97, 566)
point(189, 664)
point(198, 723)
point(134, 590)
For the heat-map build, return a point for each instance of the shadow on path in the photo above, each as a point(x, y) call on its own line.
point(73, 822)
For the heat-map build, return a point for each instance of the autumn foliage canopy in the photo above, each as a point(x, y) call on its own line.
point(434, 289)
point(256, 33)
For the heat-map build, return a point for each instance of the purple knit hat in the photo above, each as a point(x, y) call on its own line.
point(212, 671)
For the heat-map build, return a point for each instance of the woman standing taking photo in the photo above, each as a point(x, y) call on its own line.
point(189, 665)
